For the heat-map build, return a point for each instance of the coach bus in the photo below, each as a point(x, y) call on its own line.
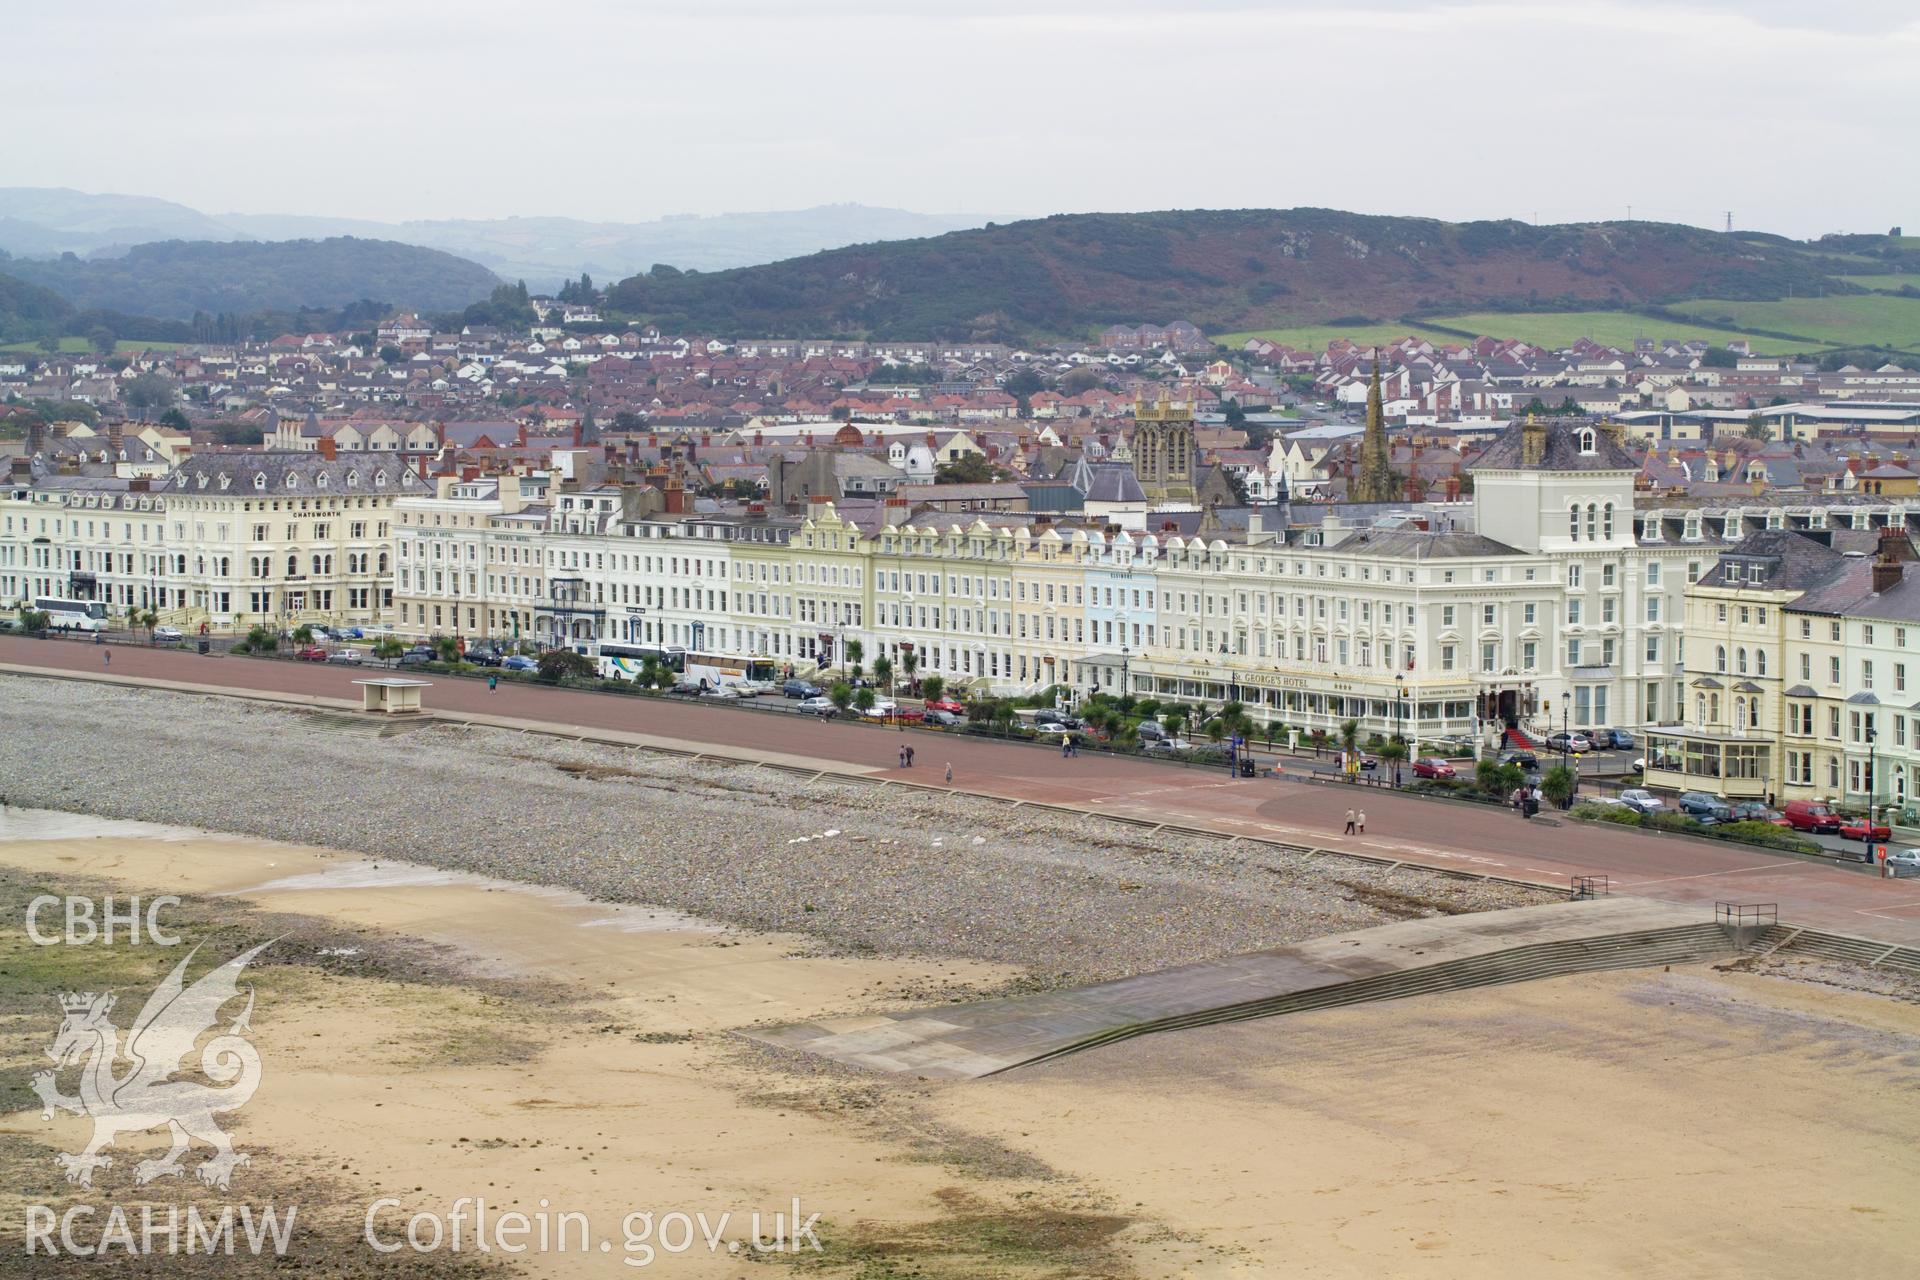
point(726, 668)
point(625, 661)
point(72, 615)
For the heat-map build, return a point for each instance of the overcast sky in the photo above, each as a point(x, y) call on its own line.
point(1797, 116)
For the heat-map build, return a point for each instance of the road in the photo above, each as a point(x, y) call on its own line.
point(1436, 833)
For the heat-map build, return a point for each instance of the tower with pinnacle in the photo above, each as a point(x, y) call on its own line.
point(1374, 481)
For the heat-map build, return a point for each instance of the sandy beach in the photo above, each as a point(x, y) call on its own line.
point(432, 1035)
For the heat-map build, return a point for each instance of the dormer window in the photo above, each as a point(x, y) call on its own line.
point(260, 481)
point(1587, 440)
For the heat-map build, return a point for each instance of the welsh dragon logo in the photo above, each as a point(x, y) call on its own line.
point(145, 1096)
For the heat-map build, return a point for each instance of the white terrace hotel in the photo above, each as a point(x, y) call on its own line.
point(1548, 598)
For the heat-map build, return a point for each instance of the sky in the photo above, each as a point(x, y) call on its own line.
point(1797, 116)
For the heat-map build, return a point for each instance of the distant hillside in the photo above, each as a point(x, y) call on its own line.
point(1226, 270)
point(47, 221)
point(44, 222)
point(544, 251)
point(28, 311)
point(175, 278)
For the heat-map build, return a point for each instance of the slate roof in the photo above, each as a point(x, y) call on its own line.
point(1562, 452)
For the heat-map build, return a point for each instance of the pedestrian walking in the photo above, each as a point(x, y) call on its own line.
point(1066, 747)
point(909, 757)
point(903, 757)
point(106, 657)
point(1363, 822)
point(949, 773)
point(493, 684)
point(1350, 818)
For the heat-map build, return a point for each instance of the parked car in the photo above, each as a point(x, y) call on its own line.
point(801, 689)
point(312, 653)
point(1057, 731)
point(1641, 800)
point(350, 657)
point(485, 657)
point(945, 719)
point(319, 632)
point(881, 709)
point(1904, 859)
point(722, 692)
point(518, 662)
point(1705, 809)
point(1754, 811)
point(1167, 747)
point(355, 633)
point(426, 651)
point(1811, 815)
point(167, 635)
point(1576, 743)
point(1432, 767)
point(1617, 739)
point(1865, 829)
point(1525, 759)
point(947, 705)
point(820, 705)
point(413, 658)
point(1151, 731)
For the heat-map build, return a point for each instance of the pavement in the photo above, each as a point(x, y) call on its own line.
point(966, 1041)
point(1452, 835)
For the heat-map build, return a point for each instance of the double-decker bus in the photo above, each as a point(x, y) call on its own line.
point(73, 615)
point(625, 661)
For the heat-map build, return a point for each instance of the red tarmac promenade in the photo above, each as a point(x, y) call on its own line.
point(1493, 841)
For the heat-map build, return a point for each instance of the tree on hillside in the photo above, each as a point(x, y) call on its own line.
point(1023, 384)
point(968, 468)
point(149, 393)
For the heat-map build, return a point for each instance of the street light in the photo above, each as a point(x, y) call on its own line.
point(1873, 737)
point(1399, 718)
point(1566, 721)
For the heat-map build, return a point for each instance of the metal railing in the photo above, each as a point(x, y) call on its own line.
point(1746, 915)
point(1587, 887)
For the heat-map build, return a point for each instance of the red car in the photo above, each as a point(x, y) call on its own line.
point(1859, 829)
point(312, 653)
point(1432, 768)
point(948, 705)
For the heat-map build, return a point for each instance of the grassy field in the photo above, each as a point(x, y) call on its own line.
point(1882, 284)
point(1875, 320)
point(74, 346)
point(1544, 328)
point(1315, 337)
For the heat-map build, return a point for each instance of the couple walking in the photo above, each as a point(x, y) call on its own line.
point(906, 757)
point(1356, 822)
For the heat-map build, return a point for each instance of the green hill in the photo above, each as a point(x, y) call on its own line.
point(173, 279)
point(1231, 270)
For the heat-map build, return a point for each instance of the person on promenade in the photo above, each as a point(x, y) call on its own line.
point(106, 657)
point(902, 754)
point(909, 757)
point(949, 773)
point(493, 684)
point(1349, 830)
point(1363, 822)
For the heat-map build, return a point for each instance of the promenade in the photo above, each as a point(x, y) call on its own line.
point(1408, 829)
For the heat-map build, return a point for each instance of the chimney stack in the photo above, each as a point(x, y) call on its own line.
point(36, 438)
point(327, 448)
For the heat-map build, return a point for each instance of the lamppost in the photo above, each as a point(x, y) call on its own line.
point(1399, 719)
point(1873, 775)
point(1566, 721)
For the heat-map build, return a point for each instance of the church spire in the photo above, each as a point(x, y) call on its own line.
point(1375, 481)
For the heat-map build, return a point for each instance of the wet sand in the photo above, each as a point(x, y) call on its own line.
point(1685, 1123)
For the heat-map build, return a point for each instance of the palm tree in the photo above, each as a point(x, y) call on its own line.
point(449, 649)
point(1174, 719)
point(1350, 746)
point(261, 640)
point(303, 634)
point(909, 663)
point(932, 687)
point(1394, 751)
point(650, 670)
point(389, 647)
point(842, 694)
point(855, 652)
point(883, 671)
point(1004, 716)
